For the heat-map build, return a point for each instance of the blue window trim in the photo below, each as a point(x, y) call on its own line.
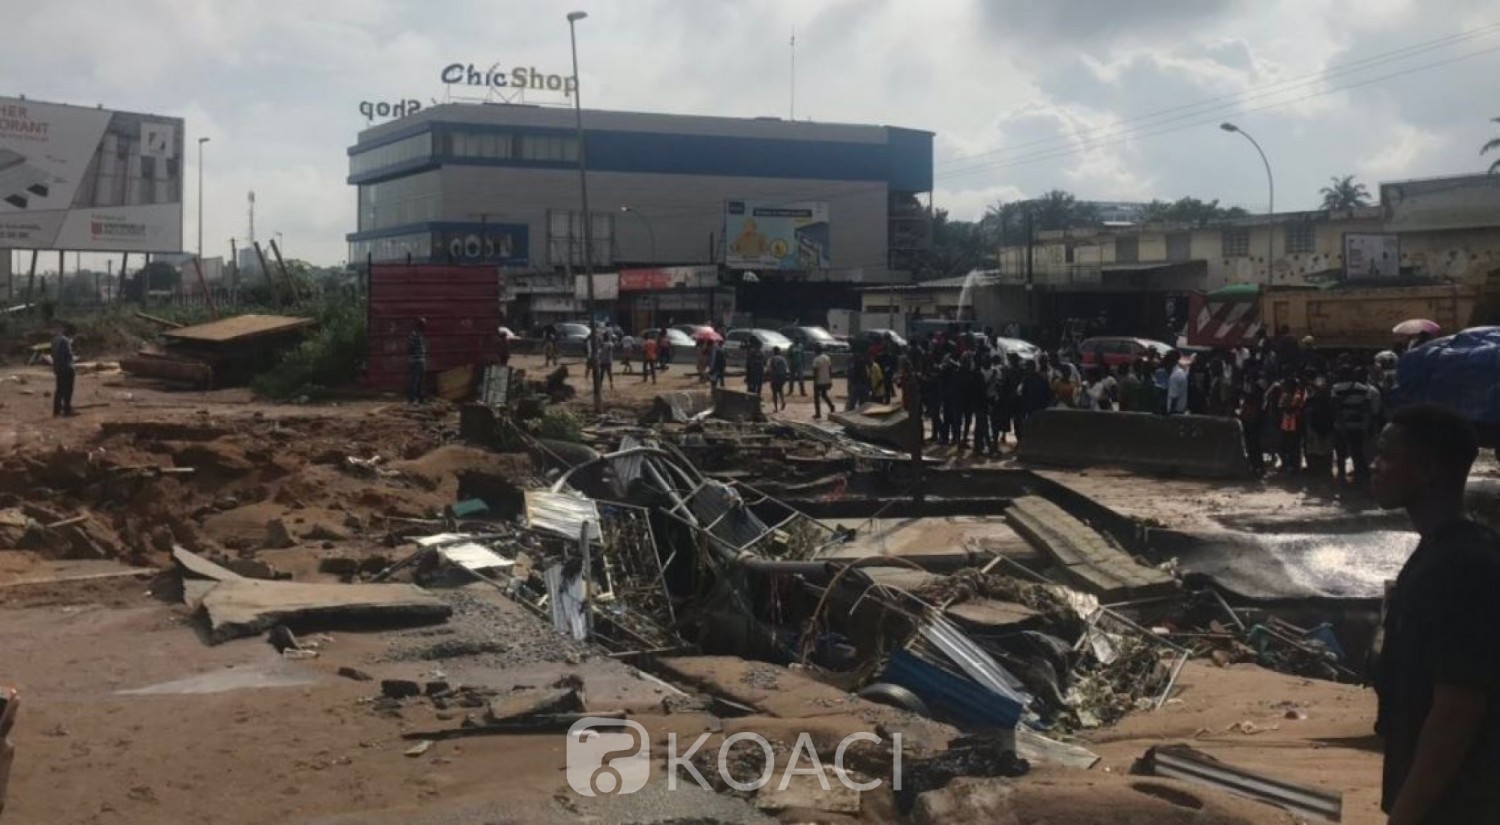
point(904, 161)
point(520, 232)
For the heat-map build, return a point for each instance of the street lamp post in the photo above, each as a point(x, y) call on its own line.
point(1271, 196)
point(650, 232)
point(201, 141)
point(583, 194)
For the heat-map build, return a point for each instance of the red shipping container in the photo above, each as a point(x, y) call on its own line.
point(462, 308)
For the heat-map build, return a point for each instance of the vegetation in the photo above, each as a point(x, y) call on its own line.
point(958, 247)
point(1189, 211)
point(331, 356)
point(559, 424)
point(1344, 193)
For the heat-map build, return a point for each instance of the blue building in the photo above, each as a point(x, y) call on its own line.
point(489, 183)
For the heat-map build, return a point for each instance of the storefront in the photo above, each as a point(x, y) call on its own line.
point(672, 295)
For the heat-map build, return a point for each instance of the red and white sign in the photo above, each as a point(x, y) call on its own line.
point(672, 277)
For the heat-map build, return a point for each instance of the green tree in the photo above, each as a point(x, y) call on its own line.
point(958, 247)
point(1189, 211)
point(1344, 193)
point(1004, 224)
point(1494, 143)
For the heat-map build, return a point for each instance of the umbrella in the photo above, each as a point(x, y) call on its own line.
point(1416, 326)
point(707, 334)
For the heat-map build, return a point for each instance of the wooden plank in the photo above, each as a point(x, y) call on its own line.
point(239, 328)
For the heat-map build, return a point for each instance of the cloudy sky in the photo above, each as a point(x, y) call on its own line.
point(1110, 99)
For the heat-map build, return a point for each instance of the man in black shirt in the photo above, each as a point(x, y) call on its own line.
point(1437, 667)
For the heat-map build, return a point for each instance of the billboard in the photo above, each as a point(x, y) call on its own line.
point(77, 178)
point(784, 236)
point(1371, 255)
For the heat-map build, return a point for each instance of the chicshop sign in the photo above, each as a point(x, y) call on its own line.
point(519, 77)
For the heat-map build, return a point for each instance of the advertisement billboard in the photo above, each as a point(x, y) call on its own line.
point(79, 178)
point(1371, 255)
point(782, 236)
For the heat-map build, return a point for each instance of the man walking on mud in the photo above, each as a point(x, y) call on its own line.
point(1437, 666)
point(62, 371)
point(416, 362)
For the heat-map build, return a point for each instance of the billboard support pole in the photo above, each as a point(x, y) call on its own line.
point(124, 266)
point(291, 286)
point(234, 271)
point(31, 277)
point(265, 270)
point(62, 265)
point(208, 297)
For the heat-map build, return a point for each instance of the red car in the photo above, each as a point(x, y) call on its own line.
point(1113, 352)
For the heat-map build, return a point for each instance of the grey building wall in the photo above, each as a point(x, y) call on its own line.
point(680, 212)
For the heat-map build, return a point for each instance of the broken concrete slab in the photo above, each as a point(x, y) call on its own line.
point(247, 607)
point(195, 565)
point(524, 703)
point(993, 613)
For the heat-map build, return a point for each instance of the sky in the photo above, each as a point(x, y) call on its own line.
point(1108, 99)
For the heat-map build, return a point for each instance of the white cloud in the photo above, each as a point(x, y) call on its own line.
point(1023, 96)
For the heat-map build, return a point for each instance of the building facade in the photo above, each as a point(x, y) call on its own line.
point(498, 184)
point(1431, 231)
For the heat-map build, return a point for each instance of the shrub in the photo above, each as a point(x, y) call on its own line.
point(331, 355)
point(559, 425)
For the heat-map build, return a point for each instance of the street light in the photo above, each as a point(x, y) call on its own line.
point(650, 232)
point(583, 194)
point(1271, 197)
point(201, 141)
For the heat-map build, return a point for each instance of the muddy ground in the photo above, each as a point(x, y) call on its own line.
point(129, 716)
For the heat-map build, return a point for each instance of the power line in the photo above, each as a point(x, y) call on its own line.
point(1061, 152)
point(1353, 67)
point(795, 195)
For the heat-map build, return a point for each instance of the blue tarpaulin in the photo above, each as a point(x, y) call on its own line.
point(1460, 371)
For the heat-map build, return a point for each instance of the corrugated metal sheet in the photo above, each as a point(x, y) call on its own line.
point(952, 694)
point(474, 556)
point(462, 308)
point(562, 514)
point(973, 659)
point(566, 597)
point(1188, 765)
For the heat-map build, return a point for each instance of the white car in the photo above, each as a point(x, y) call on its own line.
point(1025, 350)
point(737, 342)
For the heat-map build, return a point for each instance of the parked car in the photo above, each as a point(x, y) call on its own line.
point(811, 337)
point(1112, 352)
point(572, 338)
point(737, 341)
point(680, 341)
point(862, 341)
point(1025, 350)
point(691, 330)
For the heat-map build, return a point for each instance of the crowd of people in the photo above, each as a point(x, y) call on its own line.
point(1302, 412)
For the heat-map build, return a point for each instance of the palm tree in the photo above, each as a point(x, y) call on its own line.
point(1493, 144)
point(1345, 194)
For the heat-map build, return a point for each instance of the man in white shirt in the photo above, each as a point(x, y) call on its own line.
point(1177, 384)
point(822, 367)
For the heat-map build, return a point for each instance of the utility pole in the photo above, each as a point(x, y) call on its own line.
point(583, 193)
point(1032, 298)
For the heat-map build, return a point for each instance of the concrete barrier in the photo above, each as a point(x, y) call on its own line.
point(1190, 445)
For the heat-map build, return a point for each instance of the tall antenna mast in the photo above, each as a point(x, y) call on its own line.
point(794, 74)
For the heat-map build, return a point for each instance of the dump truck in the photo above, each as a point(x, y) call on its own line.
point(1339, 317)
